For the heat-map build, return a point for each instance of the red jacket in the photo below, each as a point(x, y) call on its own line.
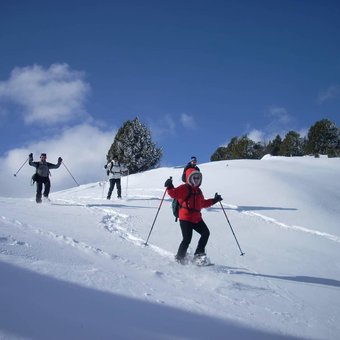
point(190, 209)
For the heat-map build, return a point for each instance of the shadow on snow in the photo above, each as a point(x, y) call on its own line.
point(43, 307)
point(297, 278)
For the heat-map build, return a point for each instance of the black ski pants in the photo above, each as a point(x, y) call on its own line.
point(47, 186)
point(114, 181)
point(187, 229)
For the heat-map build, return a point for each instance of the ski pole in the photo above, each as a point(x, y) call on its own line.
point(127, 182)
point(242, 253)
point(104, 183)
point(70, 174)
point(146, 243)
point(20, 167)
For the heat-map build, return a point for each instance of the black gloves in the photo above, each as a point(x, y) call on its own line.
point(168, 183)
point(217, 198)
point(105, 166)
point(30, 155)
point(60, 160)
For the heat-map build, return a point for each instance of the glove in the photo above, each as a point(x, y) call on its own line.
point(105, 166)
point(168, 183)
point(30, 155)
point(60, 160)
point(217, 198)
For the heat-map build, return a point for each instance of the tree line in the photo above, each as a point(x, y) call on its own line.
point(323, 138)
point(134, 147)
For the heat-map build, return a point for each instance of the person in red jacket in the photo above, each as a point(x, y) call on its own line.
point(191, 200)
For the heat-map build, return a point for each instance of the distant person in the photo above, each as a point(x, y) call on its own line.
point(191, 164)
point(191, 201)
point(114, 171)
point(42, 175)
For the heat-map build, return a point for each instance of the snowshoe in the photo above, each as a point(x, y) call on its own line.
point(181, 260)
point(201, 260)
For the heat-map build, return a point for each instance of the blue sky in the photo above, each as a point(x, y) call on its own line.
point(197, 73)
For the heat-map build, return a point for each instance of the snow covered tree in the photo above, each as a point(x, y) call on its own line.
point(323, 138)
point(134, 147)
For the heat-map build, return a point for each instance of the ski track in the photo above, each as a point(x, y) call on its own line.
point(273, 221)
point(82, 246)
point(227, 280)
point(119, 224)
point(115, 222)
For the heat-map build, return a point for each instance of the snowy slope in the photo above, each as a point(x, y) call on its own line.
point(77, 267)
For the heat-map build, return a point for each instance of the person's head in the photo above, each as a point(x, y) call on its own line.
point(194, 177)
point(43, 156)
point(193, 161)
point(115, 158)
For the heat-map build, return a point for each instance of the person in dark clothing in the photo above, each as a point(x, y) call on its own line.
point(190, 217)
point(42, 174)
point(191, 164)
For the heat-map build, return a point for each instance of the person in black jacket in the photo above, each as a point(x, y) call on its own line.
point(42, 174)
point(191, 164)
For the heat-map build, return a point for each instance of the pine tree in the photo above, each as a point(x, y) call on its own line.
point(239, 148)
point(219, 155)
point(274, 146)
point(134, 147)
point(323, 138)
point(292, 144)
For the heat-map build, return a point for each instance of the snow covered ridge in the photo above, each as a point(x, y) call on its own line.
point(77, 267)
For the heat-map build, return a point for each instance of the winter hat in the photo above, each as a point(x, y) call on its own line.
point(43, 155)
point(194, 177)
point(193, 159)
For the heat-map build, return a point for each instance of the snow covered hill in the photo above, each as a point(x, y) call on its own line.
point(78, 268)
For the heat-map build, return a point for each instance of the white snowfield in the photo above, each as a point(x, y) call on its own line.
point(78, 268)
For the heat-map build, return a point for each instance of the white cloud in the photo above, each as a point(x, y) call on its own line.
point(187, 121)
point(280, 115)
point(303, 132)
point(162, 127)
point(280, 122)
point(256, 135)
point(167, 124)
point(46, 96)
point(83, 149)
point(329, 93)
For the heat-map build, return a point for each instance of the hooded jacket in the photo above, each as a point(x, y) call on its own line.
point(190, 208)
point(188, 166)
point(115, 169)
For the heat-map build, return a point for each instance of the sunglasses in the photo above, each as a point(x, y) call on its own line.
point(196, 178)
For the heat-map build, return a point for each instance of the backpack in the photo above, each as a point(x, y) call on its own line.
point(175, 204)
point(108, 171)
point(34, 178)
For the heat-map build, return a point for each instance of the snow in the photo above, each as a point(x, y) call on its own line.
point(78, 268)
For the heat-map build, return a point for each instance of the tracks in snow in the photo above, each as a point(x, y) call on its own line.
point(279, 224)
point(229, 284)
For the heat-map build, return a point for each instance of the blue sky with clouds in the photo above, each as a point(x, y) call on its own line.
point(197, 73)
